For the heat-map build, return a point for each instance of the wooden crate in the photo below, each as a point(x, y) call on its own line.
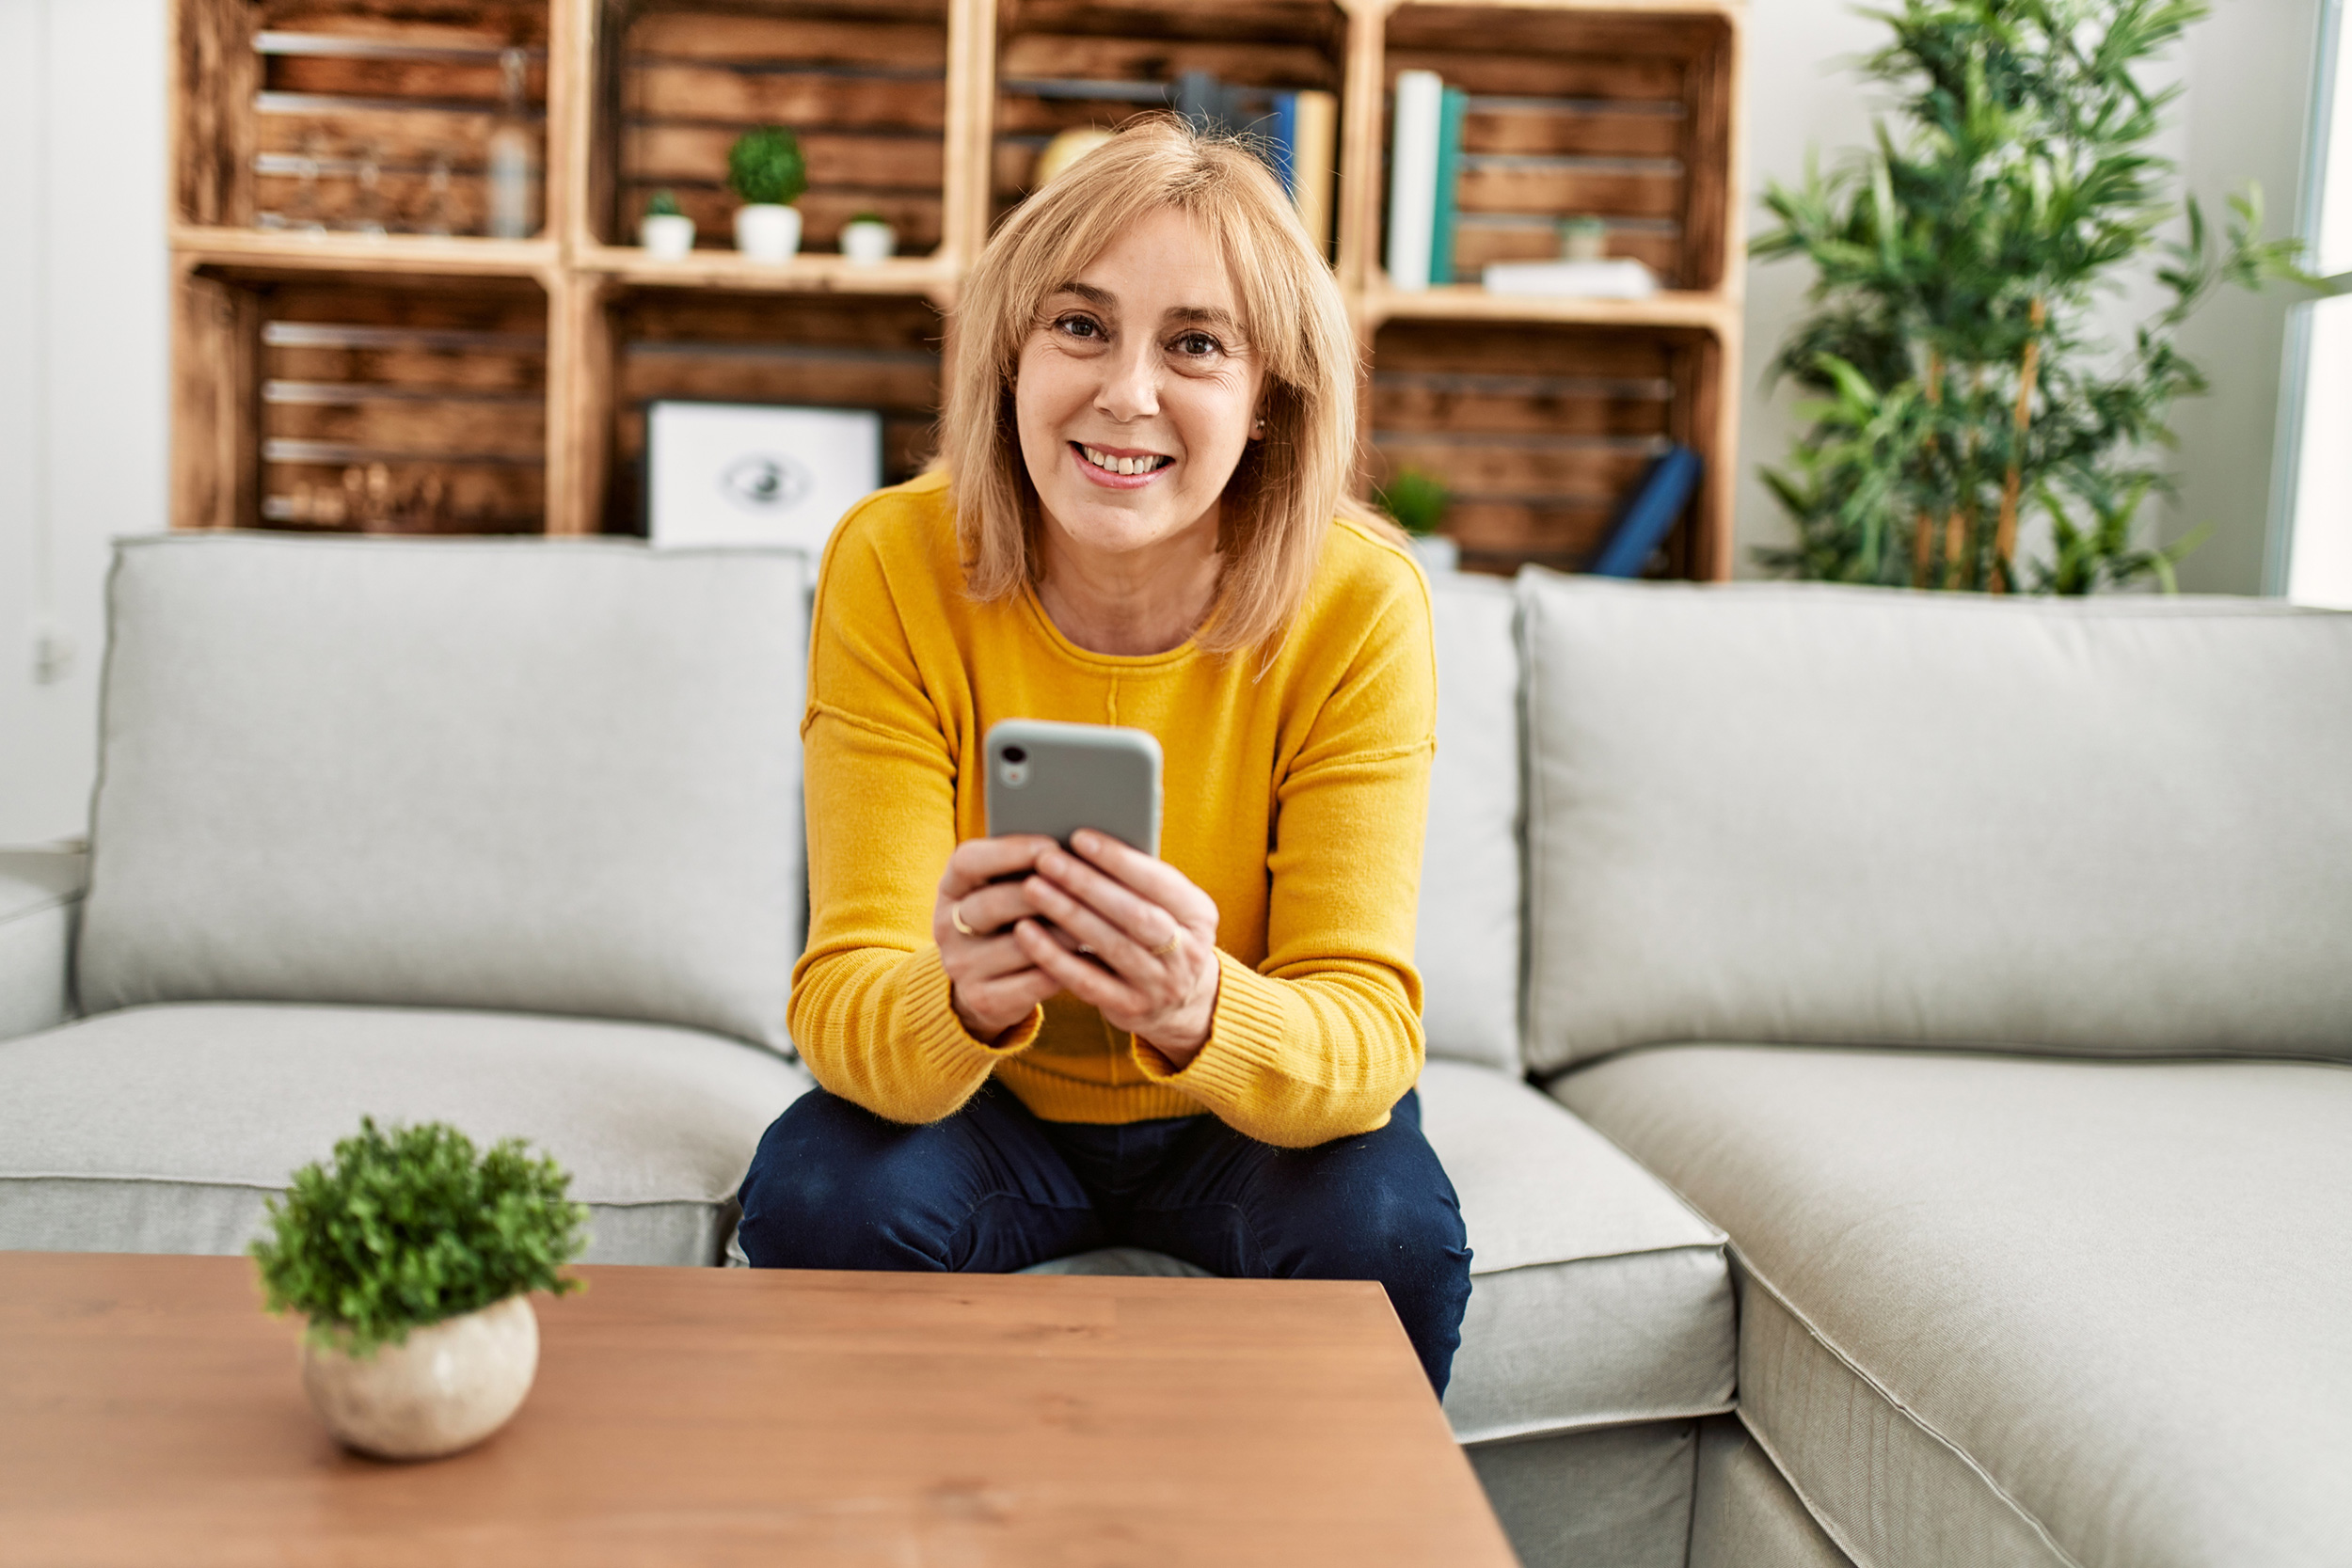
point(1065, 64)
point(514, 373)
point(356, 403)
point(336, 116)
point(864, 85)
point(1538, 429)
point(878, 352)
point(1624, 116)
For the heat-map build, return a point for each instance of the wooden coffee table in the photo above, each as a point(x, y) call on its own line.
point(149, 1414)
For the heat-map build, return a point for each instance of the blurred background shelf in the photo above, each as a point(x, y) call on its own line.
point(339, 365)
point(725, 269)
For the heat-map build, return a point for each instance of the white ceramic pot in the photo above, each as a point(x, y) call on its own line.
point(767, 232)
point(869, 241)
point(666, 237)
point(444, 1389)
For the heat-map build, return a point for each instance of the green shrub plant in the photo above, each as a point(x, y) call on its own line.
point(1416, 499)
point(410, 1225)
point(765, 166)
point(1956, 387)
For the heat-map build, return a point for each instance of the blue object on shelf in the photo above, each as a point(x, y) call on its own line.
point(1648, 513)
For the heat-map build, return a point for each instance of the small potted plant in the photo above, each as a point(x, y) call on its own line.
point(413, 1257)
point(666, 234)
point(1418, 501)
point(867, 238)
point(766, 169)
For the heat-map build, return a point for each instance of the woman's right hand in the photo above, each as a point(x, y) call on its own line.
point(993, 985)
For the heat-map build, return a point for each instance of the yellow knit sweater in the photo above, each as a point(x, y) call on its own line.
point(1294, 799)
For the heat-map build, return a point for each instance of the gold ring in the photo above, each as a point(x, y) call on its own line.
point(955, 918)
point(1175, 939)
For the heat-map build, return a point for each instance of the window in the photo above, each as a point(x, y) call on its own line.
point(2317, 564)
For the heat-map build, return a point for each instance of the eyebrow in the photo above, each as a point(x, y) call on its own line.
point(1207, 316)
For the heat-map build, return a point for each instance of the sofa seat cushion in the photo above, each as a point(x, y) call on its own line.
point(165, 1128)
point(2000, 1311)
point(1596, 1298)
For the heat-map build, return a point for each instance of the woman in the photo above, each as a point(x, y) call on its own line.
point(1148, 430)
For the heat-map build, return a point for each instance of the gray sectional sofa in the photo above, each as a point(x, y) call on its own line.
point(1895, 1053)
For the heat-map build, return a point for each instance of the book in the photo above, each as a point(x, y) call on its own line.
point(1315, 157)
point(1200, 98)
point(1452, 107)
point(1647, 514)
point(1282, 143)
point(1413, 177)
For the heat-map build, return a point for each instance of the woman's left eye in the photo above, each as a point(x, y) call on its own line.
point(1196, 345)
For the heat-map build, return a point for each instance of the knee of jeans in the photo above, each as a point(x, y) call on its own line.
point(823, 1190)
point(1385, 1231)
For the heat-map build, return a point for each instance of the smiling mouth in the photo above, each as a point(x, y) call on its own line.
point(1142, 463)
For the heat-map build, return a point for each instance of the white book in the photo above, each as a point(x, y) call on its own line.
point(1413, 177)
point(1620, 278)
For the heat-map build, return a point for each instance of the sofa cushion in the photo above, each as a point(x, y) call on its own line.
point(41, 897)
point(2000, 1310)
point(1468, 947)
point(1819, 815)
point(1596, 1298)
point(547, 776)
point(165, 1129)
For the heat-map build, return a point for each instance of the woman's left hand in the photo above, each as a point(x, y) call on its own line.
point(1153, 932)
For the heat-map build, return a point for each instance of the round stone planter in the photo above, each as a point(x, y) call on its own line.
point(445, 1388)
point(767, 232)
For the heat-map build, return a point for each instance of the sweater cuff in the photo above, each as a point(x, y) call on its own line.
point(939, 1035)
point(1246, 1035)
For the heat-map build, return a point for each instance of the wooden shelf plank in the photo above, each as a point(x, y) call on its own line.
point(725, 269)
point(1738, 9)
point(424, 255)
point(1708, 309)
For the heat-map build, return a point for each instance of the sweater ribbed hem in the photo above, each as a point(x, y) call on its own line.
point(1246, 1035)
point(1051, 1097)
point(938, 1037)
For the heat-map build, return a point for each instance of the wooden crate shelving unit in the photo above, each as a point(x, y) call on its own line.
point(507, 379)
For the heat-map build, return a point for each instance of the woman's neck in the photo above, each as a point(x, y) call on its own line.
point(1131, 602)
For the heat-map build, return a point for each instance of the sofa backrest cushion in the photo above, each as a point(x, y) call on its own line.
point(550, 776)
point(1468, 947)
point(1811, 814)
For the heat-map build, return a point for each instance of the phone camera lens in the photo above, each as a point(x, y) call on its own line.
point(1016, 755)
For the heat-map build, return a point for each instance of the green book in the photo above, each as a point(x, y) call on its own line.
point(1450, 111)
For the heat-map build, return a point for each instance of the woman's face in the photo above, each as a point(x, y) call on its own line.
point(1135, 392)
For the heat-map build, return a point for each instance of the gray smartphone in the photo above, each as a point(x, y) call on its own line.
point(1053, 778)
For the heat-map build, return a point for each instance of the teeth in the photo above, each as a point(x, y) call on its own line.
point(1108, 464)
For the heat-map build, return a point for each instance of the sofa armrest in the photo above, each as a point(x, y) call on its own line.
point(40, 908)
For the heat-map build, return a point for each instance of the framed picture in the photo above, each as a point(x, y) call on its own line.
point(741, 473)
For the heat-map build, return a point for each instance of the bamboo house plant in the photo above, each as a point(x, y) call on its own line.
point(413, 1257)
point(1958, 393)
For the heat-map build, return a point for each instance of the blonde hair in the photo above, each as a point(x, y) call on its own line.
point(1290, 482)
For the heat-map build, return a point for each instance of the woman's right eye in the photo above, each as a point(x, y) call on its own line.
point(1079, 326)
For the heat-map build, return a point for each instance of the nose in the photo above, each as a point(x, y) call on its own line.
point(1131, 380)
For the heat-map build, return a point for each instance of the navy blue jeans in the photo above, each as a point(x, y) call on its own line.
point(993, 1189)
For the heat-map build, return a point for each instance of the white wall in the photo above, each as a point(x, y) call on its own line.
point(84, 334)
point(2247, 71)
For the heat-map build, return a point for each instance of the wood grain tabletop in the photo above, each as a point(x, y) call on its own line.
point(151, 1414)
